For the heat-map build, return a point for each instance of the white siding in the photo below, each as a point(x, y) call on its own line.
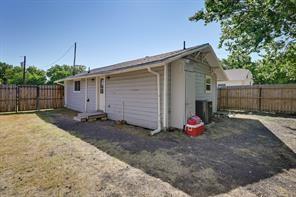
point(132, 96)
point(201, 70)
point(75, 100)
point(177, 95)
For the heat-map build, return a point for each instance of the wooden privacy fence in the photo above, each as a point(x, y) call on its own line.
point(30, 97)
point(262, 98)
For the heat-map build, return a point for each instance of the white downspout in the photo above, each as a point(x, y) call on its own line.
point(97, 92)
point(165, 92)
point(85, 96)
point(158, 102)
point(65, 94)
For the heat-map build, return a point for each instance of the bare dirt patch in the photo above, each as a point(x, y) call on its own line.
point(240, 156)
point(39, 159)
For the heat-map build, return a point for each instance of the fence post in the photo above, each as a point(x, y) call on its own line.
point(227, 98)
point(16, 97)
point(37, 98)
point(260, 94)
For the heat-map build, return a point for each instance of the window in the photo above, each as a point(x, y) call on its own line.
point(208, 84)
point(101, 86)
point(76, 86)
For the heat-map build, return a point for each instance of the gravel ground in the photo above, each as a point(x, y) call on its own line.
point(237, 156)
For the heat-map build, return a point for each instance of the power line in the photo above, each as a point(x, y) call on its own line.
point(61, 56)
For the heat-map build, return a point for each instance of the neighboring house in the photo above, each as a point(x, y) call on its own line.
point(154, 92)
point(237, 77)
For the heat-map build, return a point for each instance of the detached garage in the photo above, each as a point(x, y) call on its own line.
point(155, 92)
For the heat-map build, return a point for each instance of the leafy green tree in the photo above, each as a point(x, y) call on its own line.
point(277, 68)
point(264, 27)
point(61, 71)
point(250, 26)
point(4, 72)
point(35, 76)
point(15, 75)
point(237, 60)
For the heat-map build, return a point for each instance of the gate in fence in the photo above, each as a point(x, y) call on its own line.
point(263, 98)
point(30, 97)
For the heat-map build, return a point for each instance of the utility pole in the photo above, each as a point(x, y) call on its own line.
point(24, 70)
point(74, 61)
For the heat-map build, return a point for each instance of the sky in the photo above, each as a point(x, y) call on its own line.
point(106, 32)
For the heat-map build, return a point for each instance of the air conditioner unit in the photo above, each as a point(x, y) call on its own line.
point(204, 109)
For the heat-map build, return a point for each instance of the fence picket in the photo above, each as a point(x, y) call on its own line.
point(25, 98)
point(265, 98)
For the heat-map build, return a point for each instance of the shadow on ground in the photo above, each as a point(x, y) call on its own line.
point(231, 153)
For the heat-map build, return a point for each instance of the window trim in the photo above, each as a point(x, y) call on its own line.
point(76, 91)
point(206, 84)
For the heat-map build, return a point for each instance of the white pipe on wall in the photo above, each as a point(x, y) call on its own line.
point(97, 93)
point(85, 96)
point(158, 102)
point(65, 94)
point(165, 92)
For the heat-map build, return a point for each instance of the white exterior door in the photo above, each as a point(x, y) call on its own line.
point(101, 93)
point(189, 94)
point(91, 95)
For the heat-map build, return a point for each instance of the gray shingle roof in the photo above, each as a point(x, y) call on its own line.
point(138, 62)
point(237, 74)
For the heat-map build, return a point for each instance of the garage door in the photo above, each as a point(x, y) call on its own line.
point(132, 97)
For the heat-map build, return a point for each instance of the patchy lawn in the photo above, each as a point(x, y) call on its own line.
point(235, 156)
point(39, 159)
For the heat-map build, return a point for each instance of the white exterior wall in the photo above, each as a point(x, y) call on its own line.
point(132, 97)
point(177, 95)
point(137, 90)
point(75, 100)
point(201, 70)
point(188, 80)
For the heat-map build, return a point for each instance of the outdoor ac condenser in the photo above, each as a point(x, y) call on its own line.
point(204, 110)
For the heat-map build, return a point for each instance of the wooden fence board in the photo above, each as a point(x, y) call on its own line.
point(7, 98)
point(265, 98)
point(29, 97)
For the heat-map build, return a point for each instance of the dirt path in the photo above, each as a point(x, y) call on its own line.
point(39, 159)
point(240, 156)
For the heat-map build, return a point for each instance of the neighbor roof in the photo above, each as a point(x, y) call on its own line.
point(141, 62)
point(237, 74)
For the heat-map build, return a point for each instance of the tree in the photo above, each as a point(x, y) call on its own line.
point(35, 76)
point(59, 72)
point(10, 74)
point(251, 26)
point(15, 75)
point(274, 68)
point(265, 27)
point(277, 68)
point(237, 60)
point(4, 71)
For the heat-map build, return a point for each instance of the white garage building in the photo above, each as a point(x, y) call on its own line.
point(154, 92)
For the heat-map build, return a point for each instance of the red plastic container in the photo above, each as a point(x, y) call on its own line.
point(191, 121)
point(194, 130)
point(194, 120)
